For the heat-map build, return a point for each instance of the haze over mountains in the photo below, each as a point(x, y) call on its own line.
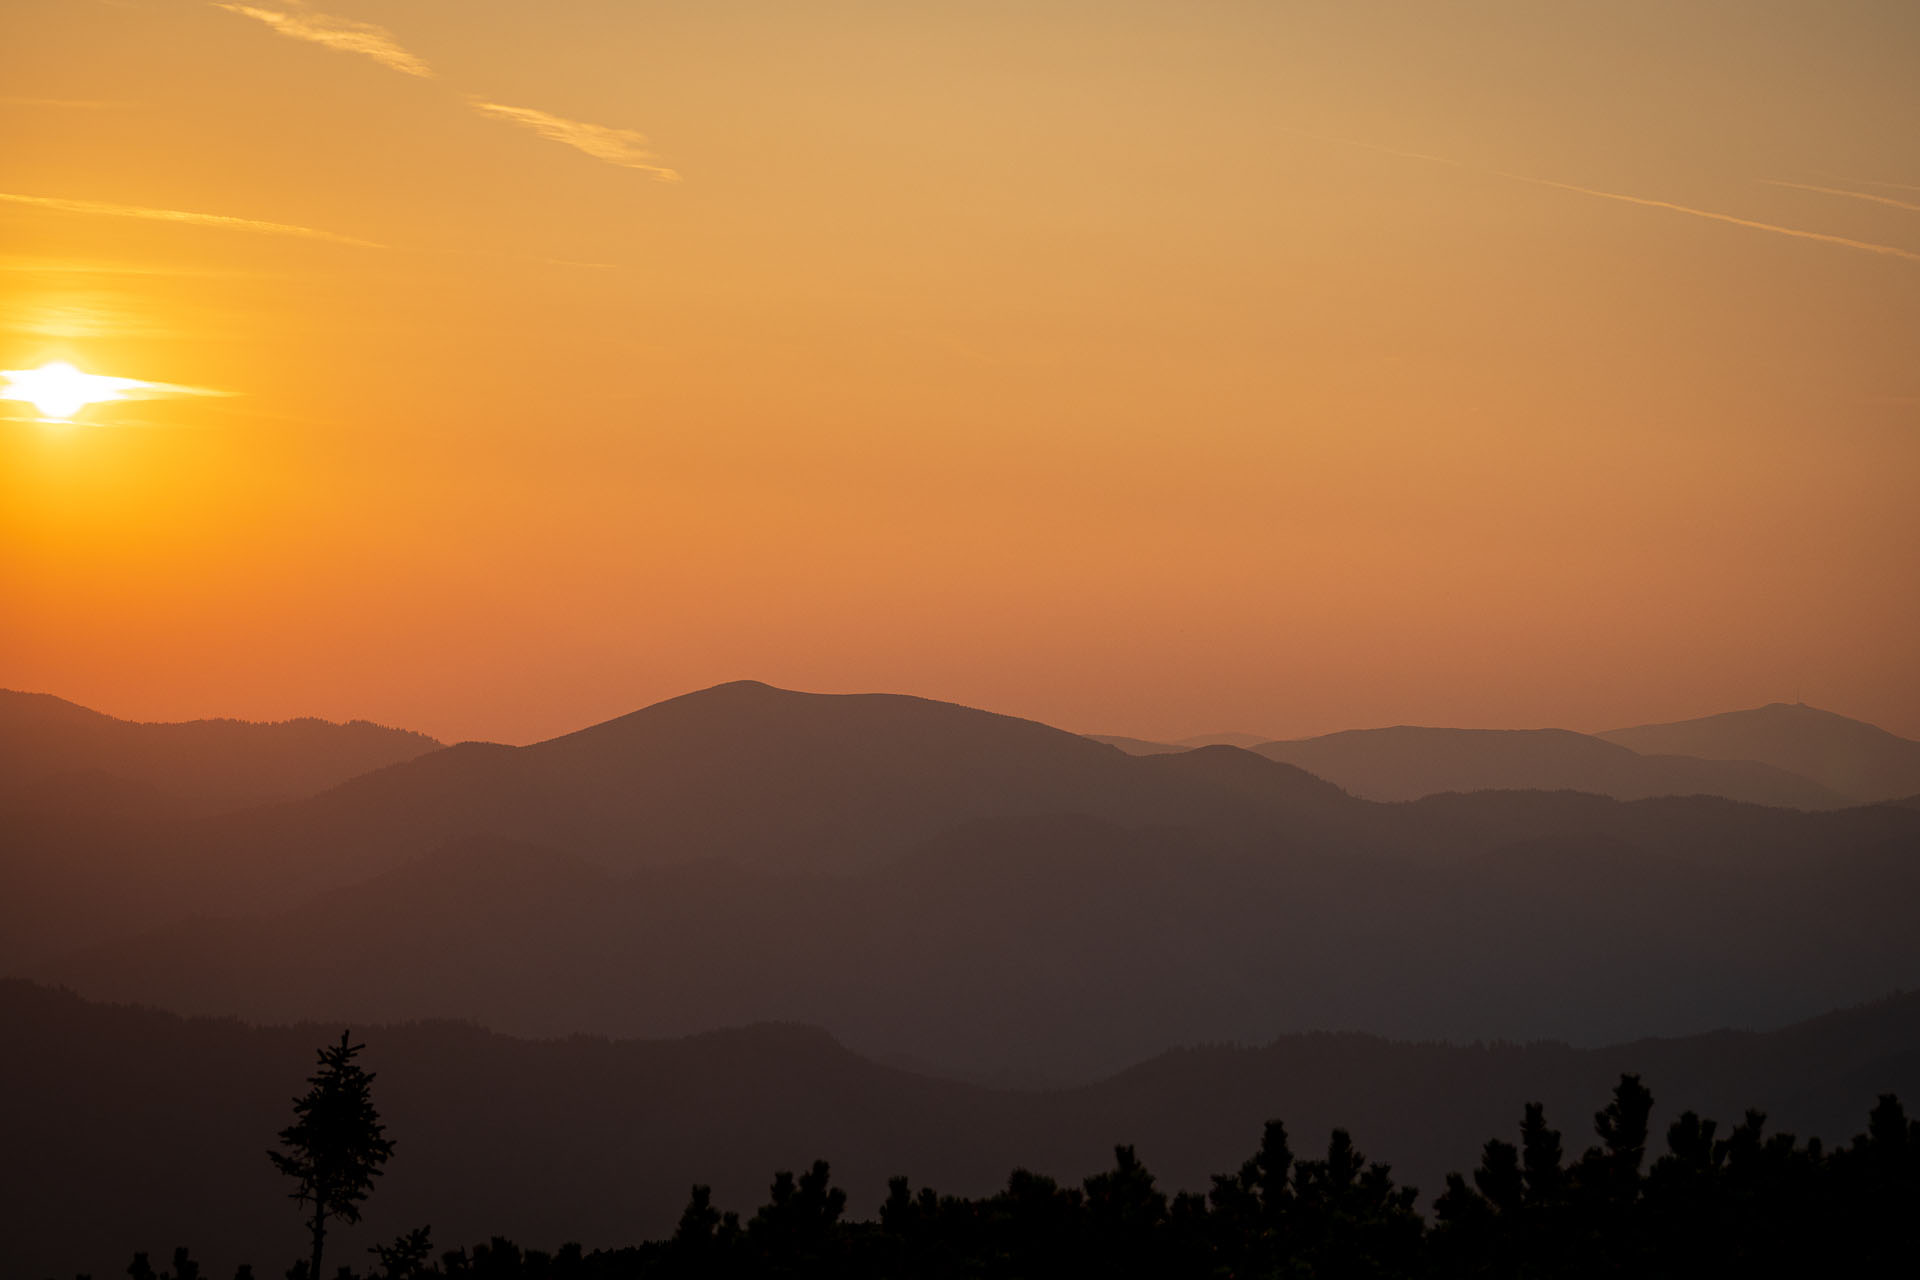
point(55, 753)
point(982, 895)
point(740, 773)
point(1407, 763)
point(1791, 756)
point(583, 1139)
point(1861, 761)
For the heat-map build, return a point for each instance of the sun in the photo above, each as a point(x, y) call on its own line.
point(59, 390)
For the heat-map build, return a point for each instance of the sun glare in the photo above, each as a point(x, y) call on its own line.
point(59, 391)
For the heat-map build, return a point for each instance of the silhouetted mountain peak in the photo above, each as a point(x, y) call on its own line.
point(1852, 757)
point(1248, 740)
point(1798, 716)
point(813, 782)
point(747, 706)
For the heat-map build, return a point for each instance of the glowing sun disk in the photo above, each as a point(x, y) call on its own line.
point(59, 390)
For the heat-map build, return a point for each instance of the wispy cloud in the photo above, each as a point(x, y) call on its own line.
point(1845, 242)
point(624, 147)
point(101, 208)
point(1908, 205)
point(344, 34)
point(1892, 186)
point(172, 391)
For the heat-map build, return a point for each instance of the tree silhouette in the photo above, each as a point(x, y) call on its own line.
point(1748, 1203)
point(796, 1230)
point(1126, 1214)
point(336, 1144)
point(408, 1256)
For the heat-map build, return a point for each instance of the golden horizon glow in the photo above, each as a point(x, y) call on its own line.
point(1150, 367)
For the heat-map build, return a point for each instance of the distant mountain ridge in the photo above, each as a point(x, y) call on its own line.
point(1223, 740)
point(1062, 947)
point(740, 773)
point(598, 1141)
point(1855, 759)
point(749, 773)
point(1140, 746)
point(57, 753)
point(1407, 762)
point(1790, 756)
point(944, 885)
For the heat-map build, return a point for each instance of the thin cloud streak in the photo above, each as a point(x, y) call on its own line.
point(624, 147)
point(1908, 205)
point(1864, 246)
point(101, 208)
point(343, 34)
point(172, 391)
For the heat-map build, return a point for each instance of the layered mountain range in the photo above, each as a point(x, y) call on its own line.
point(1788, 755)
point(972, 894)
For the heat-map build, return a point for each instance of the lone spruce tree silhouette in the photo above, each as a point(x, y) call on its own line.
point(336, 1144)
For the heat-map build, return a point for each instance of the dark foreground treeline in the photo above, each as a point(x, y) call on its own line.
point(1738, 1201)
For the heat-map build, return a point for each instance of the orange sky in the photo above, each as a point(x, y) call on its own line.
point(1152, 368)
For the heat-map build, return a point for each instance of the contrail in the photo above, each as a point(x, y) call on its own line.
point(1865, 246)
point(101, 208)
point(1851, 195)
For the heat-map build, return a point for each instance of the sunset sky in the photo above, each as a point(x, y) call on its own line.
point(1141, 367)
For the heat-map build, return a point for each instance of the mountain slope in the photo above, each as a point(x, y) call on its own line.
point(741, 773)
point(1148, 747)
point(1406, 763)
point(943, 885)
point(128, 1129)
point(1141, 746)
point(1856, 759)
point(49, 748)
point(1059, 948)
